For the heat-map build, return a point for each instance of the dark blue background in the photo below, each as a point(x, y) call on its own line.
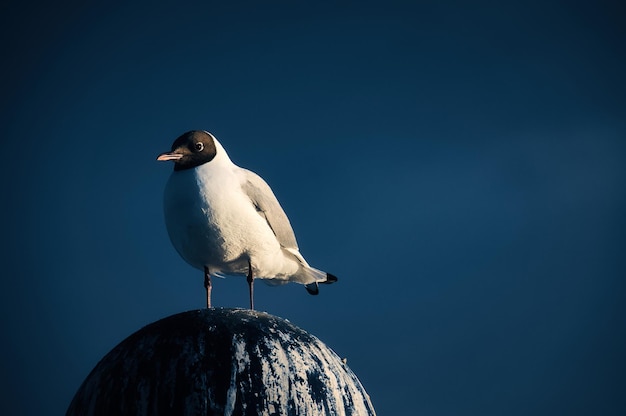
point(460, 167)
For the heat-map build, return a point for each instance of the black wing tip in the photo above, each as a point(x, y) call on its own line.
point(330, 278)
point(312, 288)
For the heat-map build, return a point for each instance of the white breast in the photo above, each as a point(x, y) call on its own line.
point(211, 222)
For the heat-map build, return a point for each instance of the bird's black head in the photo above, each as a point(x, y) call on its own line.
point(191, 149)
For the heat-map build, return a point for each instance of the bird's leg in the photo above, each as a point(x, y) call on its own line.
point(251, 285)
point(207, 286)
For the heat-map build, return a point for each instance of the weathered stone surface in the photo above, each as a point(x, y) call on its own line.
point(221, 362)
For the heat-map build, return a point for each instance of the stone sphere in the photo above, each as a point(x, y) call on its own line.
point(221, 362)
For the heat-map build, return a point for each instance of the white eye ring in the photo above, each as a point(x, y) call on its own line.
point(199, 146)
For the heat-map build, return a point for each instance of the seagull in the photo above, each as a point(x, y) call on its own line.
point(225, 220)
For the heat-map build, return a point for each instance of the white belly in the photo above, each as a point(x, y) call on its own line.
point(212, 223)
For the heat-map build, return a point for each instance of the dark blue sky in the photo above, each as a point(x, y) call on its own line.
point(460, 167)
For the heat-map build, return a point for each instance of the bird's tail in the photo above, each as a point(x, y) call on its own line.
point(313, 288)
point(310, 276)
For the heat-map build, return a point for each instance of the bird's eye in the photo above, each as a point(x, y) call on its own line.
point(199, 146)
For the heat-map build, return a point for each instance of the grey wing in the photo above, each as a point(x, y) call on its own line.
point(268, 207)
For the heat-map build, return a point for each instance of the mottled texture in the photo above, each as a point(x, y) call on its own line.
point(221, 362)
